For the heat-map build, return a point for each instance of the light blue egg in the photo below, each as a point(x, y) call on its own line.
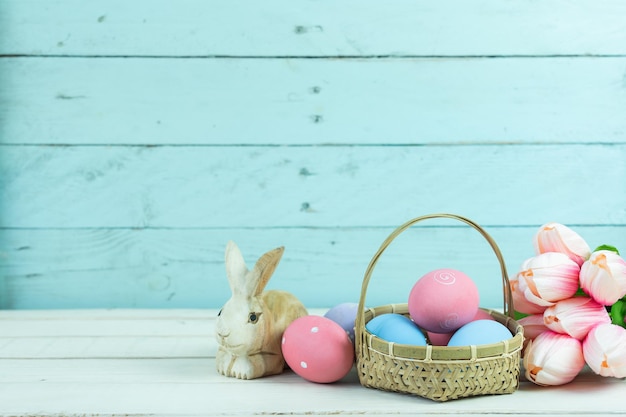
point(396, 328)
point(375, 324)
point(480, 332)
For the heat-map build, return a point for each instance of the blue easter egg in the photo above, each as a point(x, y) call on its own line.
point(396, 328)
point(480, 332)
point(344, 315)
point(375, 324)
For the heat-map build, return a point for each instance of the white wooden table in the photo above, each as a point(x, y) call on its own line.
point(161, 362)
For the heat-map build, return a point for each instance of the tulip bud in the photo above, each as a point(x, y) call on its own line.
point(575, 316)
point(520, 302)
point(547, 278)
point(603, 277)
point(555, 237)
point(604, 350)
point(533, 326)
point(553, 359)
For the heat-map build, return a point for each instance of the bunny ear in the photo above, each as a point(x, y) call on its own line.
point(263, 270)
point(236, 269)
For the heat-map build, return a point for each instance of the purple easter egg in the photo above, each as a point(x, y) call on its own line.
point(344, 315)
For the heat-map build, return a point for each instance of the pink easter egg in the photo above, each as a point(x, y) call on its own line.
point(439, 339)
point(482, 315)
point(443, 300)
point(317, 349)
point(442, 339)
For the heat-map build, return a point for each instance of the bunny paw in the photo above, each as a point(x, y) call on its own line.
point(242, 369)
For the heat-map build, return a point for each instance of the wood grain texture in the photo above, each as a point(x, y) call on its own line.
point(107, 378)
point(200, 187)
point(304, 101)
point(136, 138)
point(312, 28)
point(147, 268)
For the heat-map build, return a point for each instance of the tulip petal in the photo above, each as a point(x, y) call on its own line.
point(520, 302)
point(553, 359)
point(555, 237)
point(547, 278)
point(603, 277)
point(575, 316)
point(533, 325)
point(604, 350)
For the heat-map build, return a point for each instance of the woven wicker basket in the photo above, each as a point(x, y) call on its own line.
point(439, 373)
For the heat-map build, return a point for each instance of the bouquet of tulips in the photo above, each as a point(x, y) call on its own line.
point(571, 302)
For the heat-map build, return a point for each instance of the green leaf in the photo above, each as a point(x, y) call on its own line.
point(607, 247)
point(519, 315)
point(580, 293)
point(618, 311)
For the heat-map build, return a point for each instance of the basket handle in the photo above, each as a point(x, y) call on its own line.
point(508, 296)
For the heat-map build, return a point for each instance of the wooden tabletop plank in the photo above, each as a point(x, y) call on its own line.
point(173, 387)
point(170, 385)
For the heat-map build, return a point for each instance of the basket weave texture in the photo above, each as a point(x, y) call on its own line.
point(439, 373)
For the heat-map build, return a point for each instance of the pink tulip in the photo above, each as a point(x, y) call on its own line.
point(553, 359)
point(533, 326)
point(548, 278)
point(603, 277)
point(520, 302)
point(575, 316)
point(604, 350)
point(555, 237)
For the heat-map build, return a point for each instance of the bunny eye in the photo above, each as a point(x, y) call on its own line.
point(253, 317)
point(219, 314)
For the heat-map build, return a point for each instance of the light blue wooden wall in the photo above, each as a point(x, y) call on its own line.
point(137, 137)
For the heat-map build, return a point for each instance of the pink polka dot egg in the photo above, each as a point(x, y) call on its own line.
point(443, 300)
point(317, 349)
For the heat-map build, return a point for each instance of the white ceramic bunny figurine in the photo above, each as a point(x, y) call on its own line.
point(251, 324)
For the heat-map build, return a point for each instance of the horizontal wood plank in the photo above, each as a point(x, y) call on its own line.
point(309, 28)
point(46, 325)
point(304, 101)
point(119, 334)
point(283, 126)
point(184, 268)
point(140, 386)
point(191, 392)
point(108, 347)
point(258, 187)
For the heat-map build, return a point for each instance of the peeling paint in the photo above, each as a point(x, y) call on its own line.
point(61, 96)
point(301, 29)
point(317, 118)
point(305, 172)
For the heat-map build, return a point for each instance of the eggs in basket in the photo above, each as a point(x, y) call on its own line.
point(443, 310)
